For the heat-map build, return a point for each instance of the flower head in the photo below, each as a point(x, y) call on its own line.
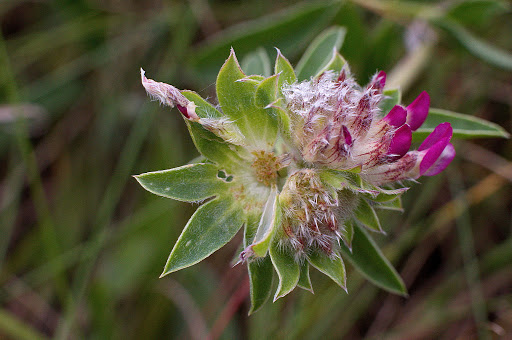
point(301, 165)
point(339, 125)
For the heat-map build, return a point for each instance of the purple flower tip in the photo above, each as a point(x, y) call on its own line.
point(417, 111)
point(400, 143)
point(381, 77)
point(442, 161)
point(438, 152)
point(396, 117)
point(443, 130)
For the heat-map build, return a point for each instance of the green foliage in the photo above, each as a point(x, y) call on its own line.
point(238, 102)
point(189, 183)
point(212, 226)
point(332, 267)
point(287, 268)
point(480, 48)
point(464, 126)
point(366, 256)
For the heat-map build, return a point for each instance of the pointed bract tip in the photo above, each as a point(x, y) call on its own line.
point(381, 77)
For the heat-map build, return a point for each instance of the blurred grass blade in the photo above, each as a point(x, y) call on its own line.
point(476, 46)
point(320, 52)
point(257, 62)
point(289, 29)
point(476, 12)
point(369, 260)
point(201, 236)
point(464, 126)
point(10, 326)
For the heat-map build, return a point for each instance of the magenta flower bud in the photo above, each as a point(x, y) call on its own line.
point(417, 111)
point(170, 96)
point(378, 82)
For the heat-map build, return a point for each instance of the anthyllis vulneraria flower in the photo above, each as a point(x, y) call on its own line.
point(302, 165)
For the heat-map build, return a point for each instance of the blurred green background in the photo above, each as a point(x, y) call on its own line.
point(82, 244)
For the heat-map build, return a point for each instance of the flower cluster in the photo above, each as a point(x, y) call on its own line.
point(339, 125)
point(301, 165)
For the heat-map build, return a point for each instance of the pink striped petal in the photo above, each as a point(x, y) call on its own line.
point(417, 111)
point(396, 117)
point(442, 162)
point(347, 136)
point(378, 81)
point(400, 143)
point(443, 130)
point(381, 77)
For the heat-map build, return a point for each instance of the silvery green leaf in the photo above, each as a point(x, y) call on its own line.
point(213, 225)
point(209, 145)
point(237, 100)
point(464, 126)
point(189, 183)
point(330, 266)
point(305, 279)
point(395, 204)
point(347, 233)
point(269, 222)
point(287, 268)
point(261, 273)
point(367, 216)
point(476, 46)
point(369, 260)
point(285, 70)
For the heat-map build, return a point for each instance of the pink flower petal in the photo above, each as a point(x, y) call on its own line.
point(443, 130)
point(417, 111)
point(442, 162)
point(432, 154)
point(396, 117)
point(400, 143)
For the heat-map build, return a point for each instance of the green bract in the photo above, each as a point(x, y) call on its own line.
point(303, 176)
